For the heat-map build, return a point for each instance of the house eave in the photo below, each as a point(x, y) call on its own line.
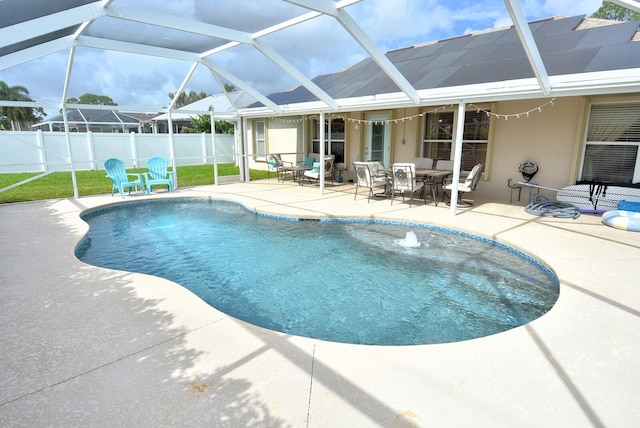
point(581, 84)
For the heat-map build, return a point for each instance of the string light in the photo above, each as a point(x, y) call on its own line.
point(516, 115)
point(409, 118)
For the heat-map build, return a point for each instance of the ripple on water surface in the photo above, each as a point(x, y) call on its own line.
point(344, 281)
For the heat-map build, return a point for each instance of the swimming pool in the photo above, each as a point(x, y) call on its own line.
point(350, 281)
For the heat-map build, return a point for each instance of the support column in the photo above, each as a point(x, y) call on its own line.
point(457, 159)
point(322, 154)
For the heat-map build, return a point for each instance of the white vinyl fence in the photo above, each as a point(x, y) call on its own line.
point(38, 151)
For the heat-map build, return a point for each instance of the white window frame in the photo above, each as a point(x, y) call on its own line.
point(261, 140)
point(611, 124)
point(338, 139)
point(452, 140)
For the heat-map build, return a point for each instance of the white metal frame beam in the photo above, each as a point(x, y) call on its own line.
point(85, 15)
point(295, 73)
point(629, 4)
point(164, 20)
point(50, 23)
point(342, 16)
point(37, 51)
point(239, 83)
point(529, 44)
point(237, 37)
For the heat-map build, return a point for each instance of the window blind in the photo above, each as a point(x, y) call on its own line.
point(613, 164)
point(614, 123)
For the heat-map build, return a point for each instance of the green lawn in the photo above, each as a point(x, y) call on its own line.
point(60, 184)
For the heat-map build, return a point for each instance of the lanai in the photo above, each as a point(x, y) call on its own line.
point(113, 25)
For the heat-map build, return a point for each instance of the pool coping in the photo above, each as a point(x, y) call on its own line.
point(155, 354)
point(545, 277)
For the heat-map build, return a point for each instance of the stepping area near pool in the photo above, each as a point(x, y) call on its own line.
point(85, 346)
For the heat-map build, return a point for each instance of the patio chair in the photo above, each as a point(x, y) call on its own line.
point(121, 179)
point(158, 174)
point(314, 173)
point(444, 164)
point(404, 180)
point(467, 185)
point(423, 163)
point(365, 178)
point(277, 165)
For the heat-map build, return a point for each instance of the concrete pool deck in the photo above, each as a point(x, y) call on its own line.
point(85, 346)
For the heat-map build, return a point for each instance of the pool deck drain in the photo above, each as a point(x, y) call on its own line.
point(88, 346)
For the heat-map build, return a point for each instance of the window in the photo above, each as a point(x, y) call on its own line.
point(611, 152)
point(261, 150)
point(438, 137)
point(334, 140)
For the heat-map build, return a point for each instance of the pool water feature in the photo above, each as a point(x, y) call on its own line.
point(363, 282)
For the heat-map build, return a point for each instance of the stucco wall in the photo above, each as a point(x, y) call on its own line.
point(547, 137)
point(285, 137)
point(405, 135)
point(551, 137)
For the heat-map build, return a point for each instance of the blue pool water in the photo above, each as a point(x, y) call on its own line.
point(344, 281)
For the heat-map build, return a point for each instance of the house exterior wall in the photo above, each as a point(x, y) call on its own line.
point(552, 137)
point(405, 140)
point(287, 138)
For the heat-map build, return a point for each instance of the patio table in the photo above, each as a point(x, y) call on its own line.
point(298, 172)
point(386, 174)
point(432, 178)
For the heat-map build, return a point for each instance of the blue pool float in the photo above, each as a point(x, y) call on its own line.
point(621, 219)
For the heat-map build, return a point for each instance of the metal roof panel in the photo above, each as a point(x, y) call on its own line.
point(620, 56)
point(610, 34)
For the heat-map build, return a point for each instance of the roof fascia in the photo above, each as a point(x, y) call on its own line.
point(50, 23)
point(629, 4)
point(37, 51)
point(581, 84)
point(597, 83)
point(349, 24)
point(528, 43)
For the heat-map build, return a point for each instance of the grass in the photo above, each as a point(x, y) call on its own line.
point(60, 184)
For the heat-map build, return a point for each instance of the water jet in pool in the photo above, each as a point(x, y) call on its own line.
point(343, 280)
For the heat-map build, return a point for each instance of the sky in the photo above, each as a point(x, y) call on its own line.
point(316, 47)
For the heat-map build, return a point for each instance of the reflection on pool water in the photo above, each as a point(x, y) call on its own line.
point(348, 281)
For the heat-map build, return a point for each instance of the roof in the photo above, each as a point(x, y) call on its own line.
point(97, 117)
point(568, 45)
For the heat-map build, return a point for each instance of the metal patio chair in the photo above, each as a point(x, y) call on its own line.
point(404, 180)
point(365, 178)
